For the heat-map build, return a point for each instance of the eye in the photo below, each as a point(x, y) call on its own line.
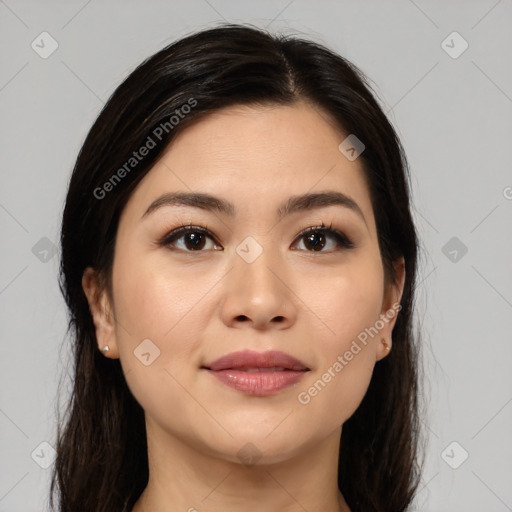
point(190, 239)
point(199, 239)
point(315, 239)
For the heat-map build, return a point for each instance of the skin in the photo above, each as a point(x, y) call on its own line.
point(197, 306)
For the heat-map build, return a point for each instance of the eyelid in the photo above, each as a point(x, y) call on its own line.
point(183, 229)
point(341, 238)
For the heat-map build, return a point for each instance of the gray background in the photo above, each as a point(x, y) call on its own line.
point(453, 115)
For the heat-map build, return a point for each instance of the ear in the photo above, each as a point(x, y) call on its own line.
point(101, 312)
point(390, 308)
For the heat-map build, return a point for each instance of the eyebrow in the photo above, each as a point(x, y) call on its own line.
point(294, 204)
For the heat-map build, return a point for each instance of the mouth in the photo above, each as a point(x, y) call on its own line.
point(262, 369)
point(249, 360)
point(257, 373)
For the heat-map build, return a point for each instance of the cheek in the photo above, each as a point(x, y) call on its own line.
point(166, 304)
point(350, 306)
point(156, 301)
point(348, 300)
point(356, 305)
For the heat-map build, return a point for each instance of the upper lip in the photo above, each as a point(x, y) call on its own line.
point(252, 359)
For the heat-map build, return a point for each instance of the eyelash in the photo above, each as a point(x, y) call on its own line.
point(344, 243)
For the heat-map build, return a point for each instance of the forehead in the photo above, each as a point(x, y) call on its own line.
point(256, 157)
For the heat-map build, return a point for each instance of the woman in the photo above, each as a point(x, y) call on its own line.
point(239, 260)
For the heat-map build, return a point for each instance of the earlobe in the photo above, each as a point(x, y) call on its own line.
point(101, 312)
point(384, 349)
point(391, 309)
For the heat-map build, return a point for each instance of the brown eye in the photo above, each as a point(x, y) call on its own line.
point(194, 241)
point(316, 239)
point(190, 239)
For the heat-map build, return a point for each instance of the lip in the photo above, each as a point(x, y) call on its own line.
point(253, 359)
point(257, 373)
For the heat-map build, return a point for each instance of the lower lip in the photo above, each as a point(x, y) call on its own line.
point(258, 383)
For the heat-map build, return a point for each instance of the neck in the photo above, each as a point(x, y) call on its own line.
point(183, 478)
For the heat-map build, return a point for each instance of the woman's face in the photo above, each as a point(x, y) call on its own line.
point(246, 277)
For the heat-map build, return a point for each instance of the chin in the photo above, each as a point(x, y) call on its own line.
point(258, 447)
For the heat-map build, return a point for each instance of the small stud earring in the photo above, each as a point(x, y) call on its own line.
point(388, 348)
point(105, 349)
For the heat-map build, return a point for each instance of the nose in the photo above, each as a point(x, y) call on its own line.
point(257, 295)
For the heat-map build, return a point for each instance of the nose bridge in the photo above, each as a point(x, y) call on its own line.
point(257, 263)
point(257, 290)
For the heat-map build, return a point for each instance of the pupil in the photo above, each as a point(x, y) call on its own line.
point(195, 241)
point(316, 240)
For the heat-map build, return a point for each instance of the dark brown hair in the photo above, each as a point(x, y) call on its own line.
point(101, 463)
